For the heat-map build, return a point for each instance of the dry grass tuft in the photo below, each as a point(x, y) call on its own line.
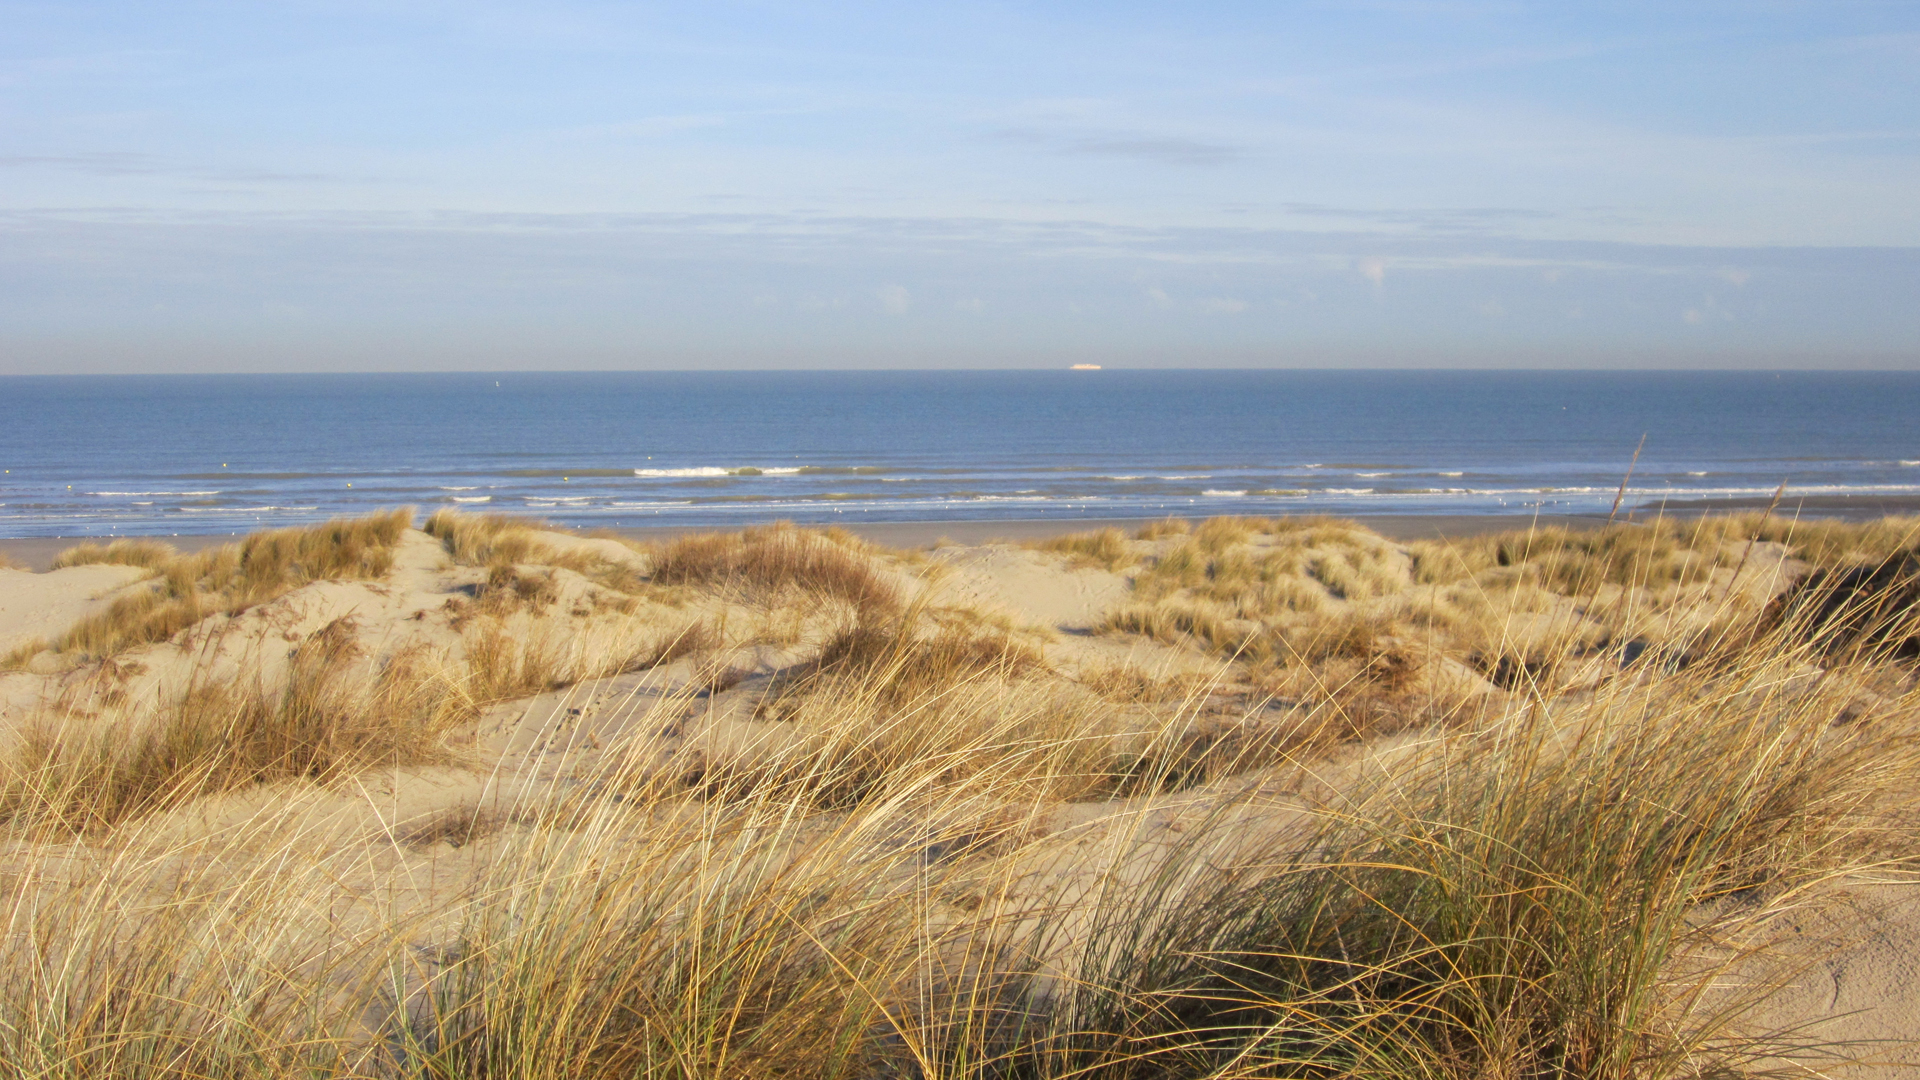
point(1106, 549)
point(231, 578)
point(330, 718)
point(1157, 530)
point(151, 554)
point(486, 539)
point(931, 855)
point(767, 564)
point(506, 661)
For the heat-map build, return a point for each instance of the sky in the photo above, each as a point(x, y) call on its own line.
point(415, 185)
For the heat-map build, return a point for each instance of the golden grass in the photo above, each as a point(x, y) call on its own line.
point(151, 554)
point(486, 539)
point(328, 718)
point(502, 541)
point(1545, 897)
point(764, 565)
point(882, 884)
point(1172, 526)
point(1106, 549)
point(504, 663)
point(233, 577)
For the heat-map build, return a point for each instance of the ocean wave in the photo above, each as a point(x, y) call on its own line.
point(1348, 491)
point(1909, 464)
point(1218, 493)
point(1454, 473)
point(1371, 475)
point(714, 471)
point(134, 493)
point(244, 509)
point(469, 487)
point(1195, 476)
point(471, 498)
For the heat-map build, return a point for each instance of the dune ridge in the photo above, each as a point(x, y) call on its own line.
point(470, 796)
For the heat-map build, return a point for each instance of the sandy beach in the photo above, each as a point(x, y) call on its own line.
point(996, 753)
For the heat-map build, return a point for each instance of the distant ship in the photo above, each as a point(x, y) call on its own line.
point(1084, 367)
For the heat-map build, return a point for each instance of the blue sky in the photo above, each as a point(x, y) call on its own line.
point(418, 185)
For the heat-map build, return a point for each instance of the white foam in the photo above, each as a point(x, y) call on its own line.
point(470, 487)
point(471, 498)
point(119, 493)
point(1371, 475)
point(1220, 493)
point(1196, 476)
point(1909, 464)
point(657, 474)
point(1349, 491)
point(1450, 474)
point(240, 509)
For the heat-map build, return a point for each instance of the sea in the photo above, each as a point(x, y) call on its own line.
point(198, 454)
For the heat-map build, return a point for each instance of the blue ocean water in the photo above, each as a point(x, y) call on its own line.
point(212, 454)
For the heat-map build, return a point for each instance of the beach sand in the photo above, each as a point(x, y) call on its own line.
point(749, 642)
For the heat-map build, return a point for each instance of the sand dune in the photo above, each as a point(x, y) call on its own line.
point(1012, 764)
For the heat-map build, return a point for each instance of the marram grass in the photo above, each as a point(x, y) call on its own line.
point(1564, 885)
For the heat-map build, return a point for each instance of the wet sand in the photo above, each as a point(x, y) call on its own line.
point(1843, 507)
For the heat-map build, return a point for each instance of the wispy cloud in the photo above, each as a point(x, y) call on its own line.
point(124, 163)
point(1454, 218)
point(1160, 149)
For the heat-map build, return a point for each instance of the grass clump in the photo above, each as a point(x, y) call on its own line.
point(768, 564)
point(1106, 549)
point(487, 539)
point(233, 577)
point(1515, 907)
point(931, 855)
point(330, 717)
point(505, 662)
point(151, 554)
point(1157, 530)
